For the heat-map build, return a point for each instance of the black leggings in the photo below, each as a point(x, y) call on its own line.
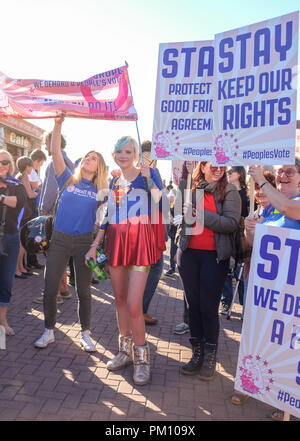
point(203, 279)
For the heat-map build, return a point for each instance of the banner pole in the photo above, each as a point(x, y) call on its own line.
point(286, 416)
point(251, 211)
point(136, 124)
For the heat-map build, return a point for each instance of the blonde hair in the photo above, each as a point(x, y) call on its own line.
point(12, 162)
point(125, 140)
point(100, 178)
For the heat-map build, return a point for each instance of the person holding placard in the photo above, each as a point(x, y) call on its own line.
point(73, 234)
point(282, 211)
point(203, 260)
point(134, 242)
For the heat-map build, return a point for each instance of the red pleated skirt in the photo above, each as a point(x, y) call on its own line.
point(135, 242)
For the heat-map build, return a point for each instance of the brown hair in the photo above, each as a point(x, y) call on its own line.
point(198, 177)
point(38, 155)
point(270, 177)
point(23, 162)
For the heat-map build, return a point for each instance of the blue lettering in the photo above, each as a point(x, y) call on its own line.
point(228, 114)
point(272, 273)
point(168, 62)
point(246, 119)
point(243, 39)
point(287, 112)
point(288, 304)
point(259, 113)
point(277, 331)
point(262, 297)
point(187, 66)
point(265, 51)
point(226, 55)
point(279, 47)
point(209, 66)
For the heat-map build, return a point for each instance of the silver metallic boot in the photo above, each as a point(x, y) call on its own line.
point(124, 356)
point(141, 362)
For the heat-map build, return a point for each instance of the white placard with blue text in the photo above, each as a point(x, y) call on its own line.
point(268, 366)
point(255, 95)
point(183, 104)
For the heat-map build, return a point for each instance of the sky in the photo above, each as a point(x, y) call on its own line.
point(71, 40)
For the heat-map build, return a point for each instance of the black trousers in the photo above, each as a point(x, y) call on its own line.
point(203, 279)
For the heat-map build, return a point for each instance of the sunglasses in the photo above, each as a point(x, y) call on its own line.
point(289, 173)
point(5, 162)
point(214, 169)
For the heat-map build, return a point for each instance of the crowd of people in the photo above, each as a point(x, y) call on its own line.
point(206, 218)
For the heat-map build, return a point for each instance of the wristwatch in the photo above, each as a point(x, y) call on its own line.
point(2, 198)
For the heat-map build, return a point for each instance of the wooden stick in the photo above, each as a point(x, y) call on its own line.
point(251, 212)
point(286, 416)
point(188, 187)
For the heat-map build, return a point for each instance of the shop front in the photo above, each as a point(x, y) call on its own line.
point(19, 137)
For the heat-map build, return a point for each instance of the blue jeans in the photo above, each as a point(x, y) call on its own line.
point(227, 294)
point(152, 282)
point(8, 266)
point(245, 294)
point(173, 251)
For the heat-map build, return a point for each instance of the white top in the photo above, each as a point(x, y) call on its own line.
point(34, 177)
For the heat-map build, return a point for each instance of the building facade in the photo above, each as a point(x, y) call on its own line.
point(19, 137)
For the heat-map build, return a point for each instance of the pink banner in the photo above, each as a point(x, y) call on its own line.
point(103, 96)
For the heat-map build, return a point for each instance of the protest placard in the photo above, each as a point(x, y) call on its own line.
point(183, 104)
point(255, 93)
point(268, 366)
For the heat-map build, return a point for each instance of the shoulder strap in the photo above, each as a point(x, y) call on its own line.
point(68, 181)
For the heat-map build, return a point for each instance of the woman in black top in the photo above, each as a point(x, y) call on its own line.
point(12, 199)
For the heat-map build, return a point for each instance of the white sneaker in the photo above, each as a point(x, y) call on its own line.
point(46, 339)
point(86, 341)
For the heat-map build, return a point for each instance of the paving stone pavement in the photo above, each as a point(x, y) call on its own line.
point(62, 382)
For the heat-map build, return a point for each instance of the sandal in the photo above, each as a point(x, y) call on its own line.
point(239, 399)
point(277, 415)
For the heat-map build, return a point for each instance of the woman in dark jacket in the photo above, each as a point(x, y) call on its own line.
point(203, 260)
point(12, 199)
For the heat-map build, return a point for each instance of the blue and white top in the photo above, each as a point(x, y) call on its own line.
point(77, 206)
point(276, 219)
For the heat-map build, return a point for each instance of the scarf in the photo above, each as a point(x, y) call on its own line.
point(10, 180)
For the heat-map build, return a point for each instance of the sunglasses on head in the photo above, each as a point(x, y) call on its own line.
point(5, 161)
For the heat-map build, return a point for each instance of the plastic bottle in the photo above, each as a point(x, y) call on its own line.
point(99, 272)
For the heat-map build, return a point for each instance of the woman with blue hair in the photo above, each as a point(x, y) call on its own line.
point(134, 241)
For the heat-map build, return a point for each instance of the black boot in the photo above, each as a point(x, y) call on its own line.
point(208, 368)
point(195, 363)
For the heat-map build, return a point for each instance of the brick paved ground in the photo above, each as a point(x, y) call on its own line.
point(62, 382)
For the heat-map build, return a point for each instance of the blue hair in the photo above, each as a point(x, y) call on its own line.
point(124, 141)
